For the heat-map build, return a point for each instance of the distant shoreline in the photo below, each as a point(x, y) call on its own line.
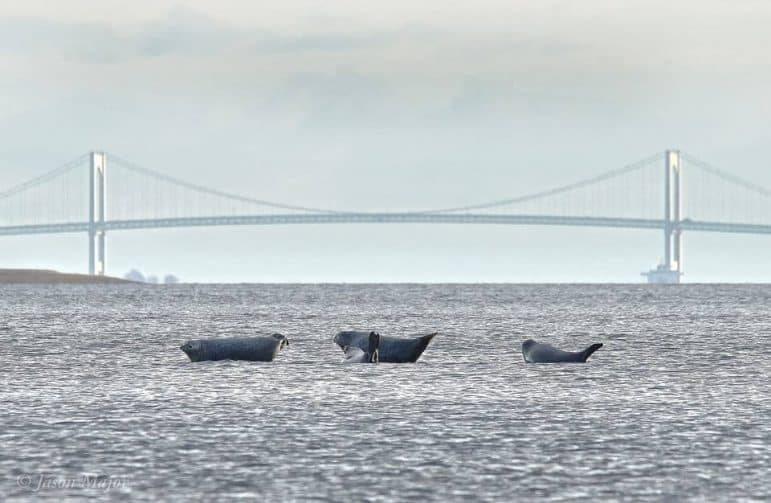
point(44, 276)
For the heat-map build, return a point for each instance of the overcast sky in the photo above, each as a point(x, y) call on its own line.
point(386, 105)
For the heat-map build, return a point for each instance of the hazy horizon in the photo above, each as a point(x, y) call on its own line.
point(364, 106)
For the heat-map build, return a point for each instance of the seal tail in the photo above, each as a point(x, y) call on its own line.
point(586, 353)
point(424, 341)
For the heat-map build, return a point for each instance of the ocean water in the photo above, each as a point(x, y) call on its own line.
point(99, 402)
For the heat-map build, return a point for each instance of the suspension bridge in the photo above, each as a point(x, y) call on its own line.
point(670, 191)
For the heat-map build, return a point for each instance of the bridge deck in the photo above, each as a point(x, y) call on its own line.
point(385, 218)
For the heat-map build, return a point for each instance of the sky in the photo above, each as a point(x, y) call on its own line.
point(363, 105)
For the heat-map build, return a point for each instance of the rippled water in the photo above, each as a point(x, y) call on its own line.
point(676, 405)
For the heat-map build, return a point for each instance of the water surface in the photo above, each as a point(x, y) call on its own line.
point(676, 405)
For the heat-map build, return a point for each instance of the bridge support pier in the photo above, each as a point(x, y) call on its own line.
point(96, 212)
point(672, 269)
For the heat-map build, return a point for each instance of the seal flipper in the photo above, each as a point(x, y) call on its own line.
point(374, 343)
point(586, 353)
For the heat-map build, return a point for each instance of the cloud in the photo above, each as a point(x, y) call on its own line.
point(180, 31)
point(91, 42)
point(183, 31)
point(318, 73)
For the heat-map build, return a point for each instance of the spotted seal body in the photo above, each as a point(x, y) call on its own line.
point(354, 354)
point(255, 349)
point(391, 349)
point(535, 352)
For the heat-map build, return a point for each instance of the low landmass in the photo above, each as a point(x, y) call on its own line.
point(43, 276)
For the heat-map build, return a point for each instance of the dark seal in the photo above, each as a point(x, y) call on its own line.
point(391, 349)
point(254, 349)
point(535, 352)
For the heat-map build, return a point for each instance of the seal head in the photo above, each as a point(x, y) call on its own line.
point(284, 342)
point(193, 350)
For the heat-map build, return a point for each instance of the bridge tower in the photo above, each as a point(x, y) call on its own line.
point(672, 268)
point(96, 208)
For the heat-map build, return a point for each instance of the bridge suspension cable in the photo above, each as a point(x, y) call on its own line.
point(45, 177)
point(212, 192)
point(629, 168)
point(728, 177)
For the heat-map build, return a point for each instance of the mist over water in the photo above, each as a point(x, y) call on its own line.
point(676, 405)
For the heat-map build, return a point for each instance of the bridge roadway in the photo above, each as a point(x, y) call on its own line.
point(384, 218)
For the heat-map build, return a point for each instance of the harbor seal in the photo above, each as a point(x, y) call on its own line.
point(535, 352)
point(354, 354)
point(391, 349)
point(255, 349)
